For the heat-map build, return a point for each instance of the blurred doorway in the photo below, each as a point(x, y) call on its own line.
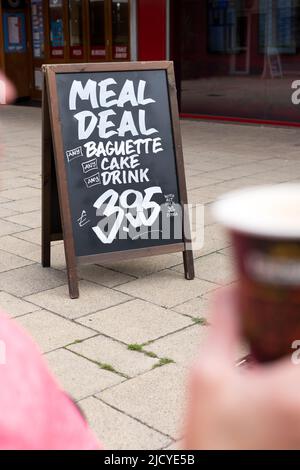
point(15, 26)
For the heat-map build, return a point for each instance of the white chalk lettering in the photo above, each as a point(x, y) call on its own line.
point(74, 153)
point(93, 180)
point(89, 92)
point(142, 123)
point(83, 131)
point(120, 164)
point(157, 147)
point(125, 176)
point(127, 125)
point(123, 147)
point(109, 204)
point(127, 95)
point(89, 165)
point(104, 124)
point(141, 94)
point(120, 139)
point(104, 94)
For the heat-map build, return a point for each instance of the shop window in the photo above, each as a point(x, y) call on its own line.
point(75, 28)
point(56, 28)
point(227, 26)
point(237, 58)
point(97, 29)
point(278, 25)
point(120, 29)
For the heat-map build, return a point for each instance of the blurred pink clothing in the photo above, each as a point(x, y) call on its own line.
point(34, 412)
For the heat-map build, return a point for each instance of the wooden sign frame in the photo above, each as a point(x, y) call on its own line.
point(53, 155)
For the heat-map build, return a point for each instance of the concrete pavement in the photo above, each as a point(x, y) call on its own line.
point(123, 349)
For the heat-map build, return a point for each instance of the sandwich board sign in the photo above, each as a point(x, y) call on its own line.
point(113, 174)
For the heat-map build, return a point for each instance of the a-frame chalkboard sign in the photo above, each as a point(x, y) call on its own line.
point(113, 174)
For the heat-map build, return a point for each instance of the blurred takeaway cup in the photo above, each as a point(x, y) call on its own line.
point(264, 226)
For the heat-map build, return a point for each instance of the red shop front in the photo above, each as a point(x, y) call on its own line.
point(234, 59)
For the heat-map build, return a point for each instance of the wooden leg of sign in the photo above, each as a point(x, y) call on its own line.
point(188, 262)
point(188, 258)
point(46, 184)
point(71, 267)
point(46, 219)
point(46, 249)
point(51, 124)
point(46, 210)
point(70, 257)
point(72, 280)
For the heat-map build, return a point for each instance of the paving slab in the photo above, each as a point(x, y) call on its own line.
point(36, 183)
point(20, 193)
point(215, 268)
point(15, 181)
point(9, 261)
point(183, 347)
point(135, 322)
point(24, 205)
point(30, 220)
point(156, 398)
point(15, 306)
point(227, 252)
point(51, 331)
point(103, 276)
point(30, 279)
point(20, 247)
point(166, 288)
point(33, 235)
point(133, 301)
point(117, 431)
point(7, 227)
point(6, 212)
point(3, 199)
point(195, 308)
point(175, 445)
point(210, 245)
point(92, 298)
point(200, 180)
point(107, 351)
point(141, 267)
point(203, 195)
point(58, 259)
point(78, 376)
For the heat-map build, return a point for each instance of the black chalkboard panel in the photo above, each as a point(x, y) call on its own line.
point(118, 163)
point(126, 159)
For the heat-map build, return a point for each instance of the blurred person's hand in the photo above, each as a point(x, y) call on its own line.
point(6, 89)
point(239, 408)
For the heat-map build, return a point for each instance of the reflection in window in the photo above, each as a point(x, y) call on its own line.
point(237, 58)
point(227, 28)
point(97, 28)
point(56, 28)
point(75, 27)
point(277, 26)
point(120, 29)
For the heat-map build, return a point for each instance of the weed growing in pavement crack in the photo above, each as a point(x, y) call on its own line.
point(162, 362)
